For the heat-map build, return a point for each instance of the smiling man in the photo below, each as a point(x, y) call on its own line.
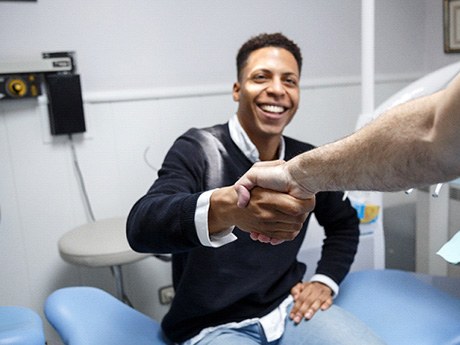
point(230, 289)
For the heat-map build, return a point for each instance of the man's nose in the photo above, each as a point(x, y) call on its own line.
point(276, 87)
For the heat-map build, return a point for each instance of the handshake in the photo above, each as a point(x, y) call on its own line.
point(281, 205)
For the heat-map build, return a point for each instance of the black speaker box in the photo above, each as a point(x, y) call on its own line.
point(65, 104)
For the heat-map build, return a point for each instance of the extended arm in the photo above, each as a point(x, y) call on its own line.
point(163, 221)
point(414, 144)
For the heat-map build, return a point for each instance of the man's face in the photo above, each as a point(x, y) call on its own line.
point(268, 92)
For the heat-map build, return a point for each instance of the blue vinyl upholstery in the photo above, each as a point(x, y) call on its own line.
point(89, 316)
point(20, 326)
point(401, 308)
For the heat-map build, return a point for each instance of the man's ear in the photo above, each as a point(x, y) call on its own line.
point(236, 91)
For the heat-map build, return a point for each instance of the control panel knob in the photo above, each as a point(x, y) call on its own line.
point(16, 87)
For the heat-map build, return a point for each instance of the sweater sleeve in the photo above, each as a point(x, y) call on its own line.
point(162, 221)
point(341, 226)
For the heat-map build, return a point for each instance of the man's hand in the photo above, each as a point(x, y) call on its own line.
point(308, 299)
point(272, 175)
point(269, 213)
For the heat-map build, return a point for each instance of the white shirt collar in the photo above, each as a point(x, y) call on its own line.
point(241, 139)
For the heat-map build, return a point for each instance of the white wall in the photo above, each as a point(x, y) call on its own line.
point(126, 49)
point(143, 44)
point(124, 45)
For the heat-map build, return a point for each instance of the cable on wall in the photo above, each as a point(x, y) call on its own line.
point(146, 160)
point(81, 181)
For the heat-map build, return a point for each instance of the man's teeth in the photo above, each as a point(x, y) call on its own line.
point(272, 108)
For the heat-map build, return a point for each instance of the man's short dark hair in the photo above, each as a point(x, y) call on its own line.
point(266, 40)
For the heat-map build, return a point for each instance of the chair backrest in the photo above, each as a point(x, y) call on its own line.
point(88, 316)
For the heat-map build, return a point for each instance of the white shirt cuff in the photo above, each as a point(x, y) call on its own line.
point(321, 278)
point(201, 224)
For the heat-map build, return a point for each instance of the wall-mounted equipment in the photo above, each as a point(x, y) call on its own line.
point(20, 85)
point(65, 104)
point(23, 79)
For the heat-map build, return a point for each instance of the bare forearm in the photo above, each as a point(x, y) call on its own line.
point(403, 148)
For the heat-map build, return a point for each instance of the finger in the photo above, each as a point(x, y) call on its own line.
point(275, 242)
point(272, 224)
point(243, 195)
point(311, 299)
point(257, 236)
point(282, 200)
point(326, 304)
point(254, 235)
point(296, 314)
point(312, 311)
point(278, 230)
point(281, 235)
point(296, 290)
point(304, 311)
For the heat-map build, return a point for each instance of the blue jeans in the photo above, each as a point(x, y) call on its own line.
point(334, 326)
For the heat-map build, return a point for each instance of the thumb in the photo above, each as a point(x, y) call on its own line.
point(243, 195)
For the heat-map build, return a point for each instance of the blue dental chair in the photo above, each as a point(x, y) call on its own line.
point(400, 307)
point(88, 316)
point(20, 326)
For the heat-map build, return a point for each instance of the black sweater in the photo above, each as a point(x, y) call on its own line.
point(245, 278)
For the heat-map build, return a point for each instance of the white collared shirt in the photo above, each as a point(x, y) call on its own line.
point(241, 139)
point(272, 323)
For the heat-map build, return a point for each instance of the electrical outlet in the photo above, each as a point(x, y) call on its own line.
point(166, 294)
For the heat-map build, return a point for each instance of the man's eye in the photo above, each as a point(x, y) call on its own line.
point(260, 77)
